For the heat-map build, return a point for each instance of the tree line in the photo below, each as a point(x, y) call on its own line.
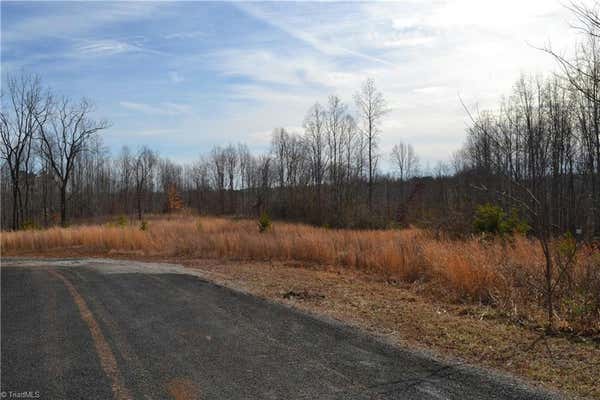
point(54, 161)
point(537, 152)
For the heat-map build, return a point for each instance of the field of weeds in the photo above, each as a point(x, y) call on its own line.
point(507, 274)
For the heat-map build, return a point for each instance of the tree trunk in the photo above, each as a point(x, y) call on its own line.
point(548, 275)
point(45, 203)
point(15, 206)
point(139, 205)
point(370, 184)
point(63, 205)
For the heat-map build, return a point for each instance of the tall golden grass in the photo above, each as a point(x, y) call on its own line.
point(505, 273)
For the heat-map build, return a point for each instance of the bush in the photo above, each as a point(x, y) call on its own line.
point(567, 246)
point(514, 224)
point(492, 219)
point(122, 221)
point(488, 218)
point(144, 226)
point(264, 222)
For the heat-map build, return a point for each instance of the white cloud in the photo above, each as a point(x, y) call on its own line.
point(74, 18)
point(300, 70)
point(185, 35)
point(165, 108)
point(421, 54)
point(327, 47)
point(499, 15)
point(105, 47)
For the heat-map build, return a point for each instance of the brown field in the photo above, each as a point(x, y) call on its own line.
point(474, 299)
point(506, 274)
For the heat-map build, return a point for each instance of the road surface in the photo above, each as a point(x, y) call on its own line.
point(101, 329)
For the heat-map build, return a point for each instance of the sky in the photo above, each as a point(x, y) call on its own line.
point(182, 77)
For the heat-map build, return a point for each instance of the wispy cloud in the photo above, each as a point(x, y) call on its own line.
point(185, 35)
point(289, 73)
point(67, 20)
point(244, 73)
point(328, 47)
point(165, 108)
point(106, 48)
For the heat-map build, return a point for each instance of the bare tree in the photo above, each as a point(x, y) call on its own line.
point(543, 137)
point(145, 161)
point(27, 107)
point(405, 160)
point(279, 143)
point(371, 107)
point(528, 156)
point(231, 165)
point(263, 179)
point(65, 138)
point(582, 71)
point(125, 165)
point(334, 123)
point(245, 160)
point(218, 161)
point(314, 133)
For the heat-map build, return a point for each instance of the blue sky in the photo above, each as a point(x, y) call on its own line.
point(184, 76)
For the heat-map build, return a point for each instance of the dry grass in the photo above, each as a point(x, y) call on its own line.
point(500, 273)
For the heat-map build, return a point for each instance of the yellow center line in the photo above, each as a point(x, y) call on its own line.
point(108, 361)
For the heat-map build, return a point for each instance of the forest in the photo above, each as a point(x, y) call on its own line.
point(535, 157)
point(538, 152)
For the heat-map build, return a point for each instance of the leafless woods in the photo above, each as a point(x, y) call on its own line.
point(537, 152)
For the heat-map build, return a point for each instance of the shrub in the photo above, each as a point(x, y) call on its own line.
point(264, 222)
point(567, 246)
point(144, 226)
point(121, 221)
point(488, 218)
point(514, 224)
point(492, 219)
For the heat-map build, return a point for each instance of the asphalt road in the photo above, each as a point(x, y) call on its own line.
point(93, 329)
